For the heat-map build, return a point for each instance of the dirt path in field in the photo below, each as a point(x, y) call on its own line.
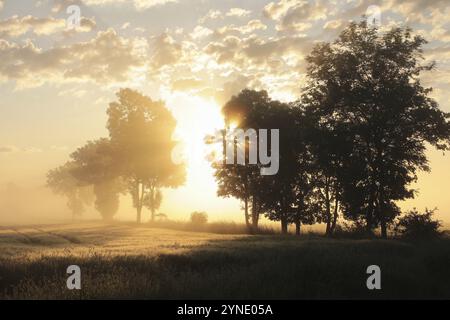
point(36, 236)
point(70, 239)
point(24, 238)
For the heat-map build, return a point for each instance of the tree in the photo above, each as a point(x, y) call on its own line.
point(199, 218)
point(152, 201)
point(289, 196)
point(243, 181)
point(365, 87)
point(62, 181)
point(418, 226)
point(329, 148)
point(96, 165)
point(141, 132)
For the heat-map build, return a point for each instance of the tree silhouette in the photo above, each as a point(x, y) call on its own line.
point(141, 133)
point(287, 196)
point(95, 165)
point(246, 110)
point(365, 88)
point(62, 181)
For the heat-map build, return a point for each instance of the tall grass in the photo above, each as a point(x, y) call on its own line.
point(212, 227)
point(251, 267)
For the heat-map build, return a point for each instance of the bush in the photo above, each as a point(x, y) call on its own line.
point(199, 218)
point(418, 226)
point(353, 230)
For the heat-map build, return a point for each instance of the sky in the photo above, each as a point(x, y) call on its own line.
point(56, 81)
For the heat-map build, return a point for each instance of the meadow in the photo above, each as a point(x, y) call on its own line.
point(126, 261)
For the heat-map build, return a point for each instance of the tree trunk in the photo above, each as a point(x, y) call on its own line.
point(297, 227)
point(370, 212)
point(140, 201)
point(247, 218)
point(255, 214)
point(381, 214)
point(327, 206)
point(335, 215)
point(284, 226)
point(383, 229)
point(152, 203)
point(139, 210)
point(153, 214)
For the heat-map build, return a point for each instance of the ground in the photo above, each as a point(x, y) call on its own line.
point(129, 261)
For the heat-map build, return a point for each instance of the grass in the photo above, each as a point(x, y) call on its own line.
point(130, 262)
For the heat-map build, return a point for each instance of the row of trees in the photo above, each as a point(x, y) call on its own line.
point(135, 159)
point(352, 144)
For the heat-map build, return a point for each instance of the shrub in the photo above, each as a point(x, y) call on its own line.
point(418, 226)
point(353, 230)
point(199, 218)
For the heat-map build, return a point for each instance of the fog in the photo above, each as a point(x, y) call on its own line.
point(21, 204)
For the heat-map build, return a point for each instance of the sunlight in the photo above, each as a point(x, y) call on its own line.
point(197, 117)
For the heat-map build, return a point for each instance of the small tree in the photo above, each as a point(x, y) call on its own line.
point(62, 182)
point(418, 226)
point(94, 164)
point(199, 218)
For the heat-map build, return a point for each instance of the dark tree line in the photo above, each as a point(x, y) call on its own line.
point(352, 144)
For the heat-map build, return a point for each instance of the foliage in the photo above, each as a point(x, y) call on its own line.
point(95, 165)
point(199, 218)
point(364, 88)
point(418, 226)
point(62, 181)
point(141, 132)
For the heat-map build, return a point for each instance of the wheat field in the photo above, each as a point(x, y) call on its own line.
point(126, 261)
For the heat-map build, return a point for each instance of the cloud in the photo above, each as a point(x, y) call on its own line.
point(211, 15)
point(17, 26)
point(8, 149)
point(103, 59)
point(14, 149)
point(200, 32)
point(255, 50)
point(166, 51)
point(333, 24)
point(138, 4)
point(275, 10)
point(238, 12)
point(187, 84)
point(250, 27)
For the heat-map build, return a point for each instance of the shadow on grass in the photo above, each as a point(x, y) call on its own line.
point(252, 267)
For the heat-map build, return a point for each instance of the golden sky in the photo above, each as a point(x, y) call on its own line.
point(55, 83)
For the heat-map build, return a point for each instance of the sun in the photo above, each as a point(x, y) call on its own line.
point(197, 118)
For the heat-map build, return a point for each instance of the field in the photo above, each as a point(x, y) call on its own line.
point(140, 262)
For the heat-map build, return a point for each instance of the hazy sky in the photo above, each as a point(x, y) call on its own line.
point(55, 83)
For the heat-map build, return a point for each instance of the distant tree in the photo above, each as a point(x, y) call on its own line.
point(107, 198)
point(141, 132)
point(95, 164)
point(161, 216)
point(199, 218)
point(152, 201)
point(418, 226)
point(365, 87)
point(62, 181)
